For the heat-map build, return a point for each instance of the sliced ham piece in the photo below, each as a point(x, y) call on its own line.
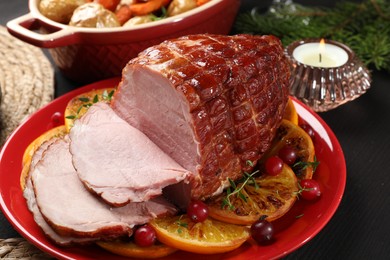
point(117, 161)
point(210, 102)
point(29, 195)
point(72, 211)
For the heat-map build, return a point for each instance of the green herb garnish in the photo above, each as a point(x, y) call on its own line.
point(88, 103)
point(181, 224)
point(303, 165)
point(237, 189)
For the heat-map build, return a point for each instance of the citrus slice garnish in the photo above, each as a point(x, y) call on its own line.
point(78, 105)
point(294, 136)
point(33, 146)
point(272, 197)
point(207, 237)
point(130, 249)
point(290, 113)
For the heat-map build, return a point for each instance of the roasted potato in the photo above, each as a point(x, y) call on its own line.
point(59, 10)
point(93, 15)
point(180, 6)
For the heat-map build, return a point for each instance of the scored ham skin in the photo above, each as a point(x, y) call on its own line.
point(211, 102)
point(72, 211)
point(117, 161)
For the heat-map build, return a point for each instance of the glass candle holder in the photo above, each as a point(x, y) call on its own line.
point(325, 73)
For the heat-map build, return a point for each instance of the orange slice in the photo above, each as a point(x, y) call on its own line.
point(129, 249)
point(33, 146)
point(78, 105)
point(290, 113)
point(208, 237)
point(273, 197)
point(293, 135)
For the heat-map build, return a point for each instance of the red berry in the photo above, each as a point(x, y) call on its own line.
point(309, 130)
point(310, 189)
point(197, 211)
point(56, 119)
point(145, 236)
point(273, 165)
point(262, 231)
point(288, 154)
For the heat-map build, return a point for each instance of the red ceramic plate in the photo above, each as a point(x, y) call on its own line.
point(297, 227)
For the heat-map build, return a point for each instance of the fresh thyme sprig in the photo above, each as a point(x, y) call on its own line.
point(300, 165)
point(181, 224)
point(106, 96)
point(237, 188)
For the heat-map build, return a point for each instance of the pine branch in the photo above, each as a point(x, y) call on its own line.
point(365, 26)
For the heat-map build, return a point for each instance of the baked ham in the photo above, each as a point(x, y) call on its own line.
point(187, 116)
point(210, 102)
point(117, 161)
point(71, 211)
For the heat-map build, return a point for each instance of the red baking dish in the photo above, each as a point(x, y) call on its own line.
point(90, 54)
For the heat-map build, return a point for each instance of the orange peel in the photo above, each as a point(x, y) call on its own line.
point(130, 249)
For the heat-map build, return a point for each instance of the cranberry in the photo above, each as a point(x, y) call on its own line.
point(309, 130)
point(197, 211)
point(288, 154)
point(262, 231)
point(56, 119)
point(145, 236)
point(273, 165)
point(310, 189)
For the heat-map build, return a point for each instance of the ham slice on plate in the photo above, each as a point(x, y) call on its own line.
point(117, 161)
point(72, 211)
point(29, 195)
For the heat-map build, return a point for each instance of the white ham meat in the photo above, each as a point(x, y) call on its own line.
point(29, 195)
point(72, 211)
point(117, 161)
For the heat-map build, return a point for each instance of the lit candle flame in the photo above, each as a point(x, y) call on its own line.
point(322, 48)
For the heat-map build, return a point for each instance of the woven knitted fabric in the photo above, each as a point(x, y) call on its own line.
point(19, 248)
point(26, 81)
point(27, 84)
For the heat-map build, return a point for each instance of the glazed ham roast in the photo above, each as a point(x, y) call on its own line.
point(186, 117)
point(210, 102)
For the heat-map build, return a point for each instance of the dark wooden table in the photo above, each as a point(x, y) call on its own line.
point(360, 228)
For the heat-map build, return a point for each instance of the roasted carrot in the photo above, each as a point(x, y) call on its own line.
point(123, 14)
point(148, 7)
point(201, 2)
point(108, 4)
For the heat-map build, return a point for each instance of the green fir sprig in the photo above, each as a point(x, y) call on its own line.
point(364, 26)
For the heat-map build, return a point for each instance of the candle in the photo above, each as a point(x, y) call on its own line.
point(325, 75)
point(320, 54)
